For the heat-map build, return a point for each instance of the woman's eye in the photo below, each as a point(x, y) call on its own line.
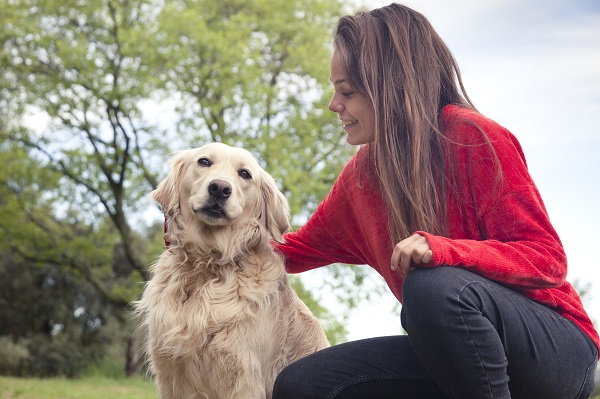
point(204, 162)
point(345, 93)
point(244, 174)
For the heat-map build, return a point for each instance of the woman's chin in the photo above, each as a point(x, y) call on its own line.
point(357, 140)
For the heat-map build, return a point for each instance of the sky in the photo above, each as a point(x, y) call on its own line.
point(533, 66)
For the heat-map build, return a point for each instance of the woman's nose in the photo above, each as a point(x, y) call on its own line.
point(335, 105)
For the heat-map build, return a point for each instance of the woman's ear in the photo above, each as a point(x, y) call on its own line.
point(275, 212)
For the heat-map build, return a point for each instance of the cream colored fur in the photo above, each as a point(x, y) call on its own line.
point(221, 318)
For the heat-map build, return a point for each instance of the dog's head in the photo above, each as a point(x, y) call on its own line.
point(217, 185)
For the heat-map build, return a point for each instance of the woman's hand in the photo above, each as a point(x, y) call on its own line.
point(414, 249)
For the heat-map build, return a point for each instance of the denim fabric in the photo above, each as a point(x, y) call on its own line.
point(468, 337)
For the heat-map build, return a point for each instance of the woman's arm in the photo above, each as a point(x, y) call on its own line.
point(311, 247)
point(328, 236)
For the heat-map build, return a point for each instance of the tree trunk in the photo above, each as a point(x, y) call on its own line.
point(131, 360)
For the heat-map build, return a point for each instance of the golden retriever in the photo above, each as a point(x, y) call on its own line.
point(221, 318)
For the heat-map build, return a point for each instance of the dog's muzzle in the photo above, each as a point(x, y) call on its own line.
point(218, 193)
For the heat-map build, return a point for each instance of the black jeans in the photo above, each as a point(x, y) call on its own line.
point(468, 337)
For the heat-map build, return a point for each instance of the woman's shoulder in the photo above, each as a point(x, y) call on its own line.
point(468, 130)
point(465, 126)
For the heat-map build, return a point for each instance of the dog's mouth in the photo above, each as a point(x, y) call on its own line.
point(214, 211)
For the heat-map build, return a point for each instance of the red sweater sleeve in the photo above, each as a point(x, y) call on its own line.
point(312, 246)
point(315, 244)
point(349, 226)
point(516, 243)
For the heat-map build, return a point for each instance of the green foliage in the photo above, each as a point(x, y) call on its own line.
point(74, 65)
point(43, 229)
point(249, 73)
point(57, 357)
point(341, 276)
point(253, 74)
point(13, 357)
point(52, 323)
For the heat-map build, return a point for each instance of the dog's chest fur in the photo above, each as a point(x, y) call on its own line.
point(203, 315)
point(196, 302)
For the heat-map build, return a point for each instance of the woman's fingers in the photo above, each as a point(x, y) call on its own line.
point(411, 251)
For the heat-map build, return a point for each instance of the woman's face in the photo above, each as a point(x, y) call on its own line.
point(354, 108)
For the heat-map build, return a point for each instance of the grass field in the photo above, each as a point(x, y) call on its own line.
point(85, 388)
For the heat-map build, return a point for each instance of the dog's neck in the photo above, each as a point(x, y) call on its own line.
point(226, 244)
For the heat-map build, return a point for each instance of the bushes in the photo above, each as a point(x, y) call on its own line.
point(66, 354)
point(53, 324)
point(57, 357)
point(41, 357)
point(14, 357)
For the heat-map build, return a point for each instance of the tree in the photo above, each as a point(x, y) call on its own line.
point(65, 61)
point(41, 228)
point(59, 286)
point(253, 73)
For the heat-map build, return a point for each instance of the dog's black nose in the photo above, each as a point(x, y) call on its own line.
point(219, 189)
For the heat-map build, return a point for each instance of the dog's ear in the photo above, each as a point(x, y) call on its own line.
point(275, 212)
point(166, 193)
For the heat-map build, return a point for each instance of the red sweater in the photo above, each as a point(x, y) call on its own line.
point(498, 229)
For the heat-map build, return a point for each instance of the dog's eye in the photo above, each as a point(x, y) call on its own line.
point(244, 174)
point(204, 162)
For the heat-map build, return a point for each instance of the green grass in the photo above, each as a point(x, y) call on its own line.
point(84, 388)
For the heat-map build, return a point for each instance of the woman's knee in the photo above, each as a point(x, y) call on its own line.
point(430, 295)
point(288, 382)
point(423, 285)
point(302, 379)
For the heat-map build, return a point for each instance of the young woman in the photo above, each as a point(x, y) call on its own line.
point(439, 201)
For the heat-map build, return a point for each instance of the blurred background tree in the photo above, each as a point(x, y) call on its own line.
point(94, 96)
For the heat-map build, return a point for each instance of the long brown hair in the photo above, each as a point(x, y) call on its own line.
point(393, 55)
